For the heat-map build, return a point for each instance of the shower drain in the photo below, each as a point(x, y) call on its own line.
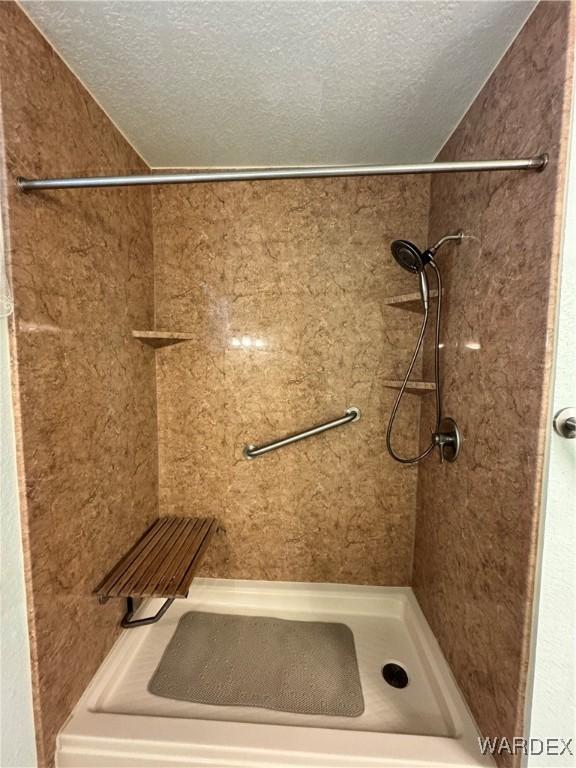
point(395, 675)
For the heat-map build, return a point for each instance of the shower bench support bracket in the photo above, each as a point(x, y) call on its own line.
point(129, 623)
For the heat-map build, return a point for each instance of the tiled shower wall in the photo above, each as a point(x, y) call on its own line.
point(84, 390)
point(283, 285)
point(477, 520)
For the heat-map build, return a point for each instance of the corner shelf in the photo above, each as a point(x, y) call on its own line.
point(161, 564)
point(162, 338)
point(413, 387)
point(410, 301)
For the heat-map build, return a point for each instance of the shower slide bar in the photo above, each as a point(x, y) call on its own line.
point(252, 452)
point(537, 163)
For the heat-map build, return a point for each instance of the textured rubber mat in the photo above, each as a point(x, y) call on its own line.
point(304, 667)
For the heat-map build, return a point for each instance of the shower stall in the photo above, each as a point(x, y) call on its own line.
point(228, 399)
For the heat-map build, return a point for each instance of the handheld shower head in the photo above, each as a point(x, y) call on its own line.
point(407, 255)
point(411, 258)
point(414, 260)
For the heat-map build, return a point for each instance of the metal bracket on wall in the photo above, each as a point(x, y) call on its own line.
point(128, 622)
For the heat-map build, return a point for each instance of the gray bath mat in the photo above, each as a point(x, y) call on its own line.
point(305, 667)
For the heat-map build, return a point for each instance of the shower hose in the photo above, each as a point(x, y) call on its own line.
point(432, 445)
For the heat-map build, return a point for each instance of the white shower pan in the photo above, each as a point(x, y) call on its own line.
point(118, 723)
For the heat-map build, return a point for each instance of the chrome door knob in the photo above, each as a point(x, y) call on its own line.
point(565, 423)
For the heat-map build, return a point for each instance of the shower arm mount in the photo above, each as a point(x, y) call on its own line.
point(447, 238)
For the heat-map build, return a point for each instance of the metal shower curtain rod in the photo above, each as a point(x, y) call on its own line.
point(537, 163)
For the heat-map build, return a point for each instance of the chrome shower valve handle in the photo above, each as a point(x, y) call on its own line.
point(448, 439)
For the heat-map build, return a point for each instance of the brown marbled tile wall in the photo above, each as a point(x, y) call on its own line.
point(82, 272)
point(477, 519)
point(282, 283)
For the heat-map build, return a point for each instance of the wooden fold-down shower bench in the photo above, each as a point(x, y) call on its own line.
point(161, 564)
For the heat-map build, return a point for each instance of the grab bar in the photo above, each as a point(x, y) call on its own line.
point(252, 452)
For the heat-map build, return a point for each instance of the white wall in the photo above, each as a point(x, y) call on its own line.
point(553, 712)
point(17, 742)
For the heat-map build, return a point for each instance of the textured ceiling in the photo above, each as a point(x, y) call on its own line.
point(224, 84)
